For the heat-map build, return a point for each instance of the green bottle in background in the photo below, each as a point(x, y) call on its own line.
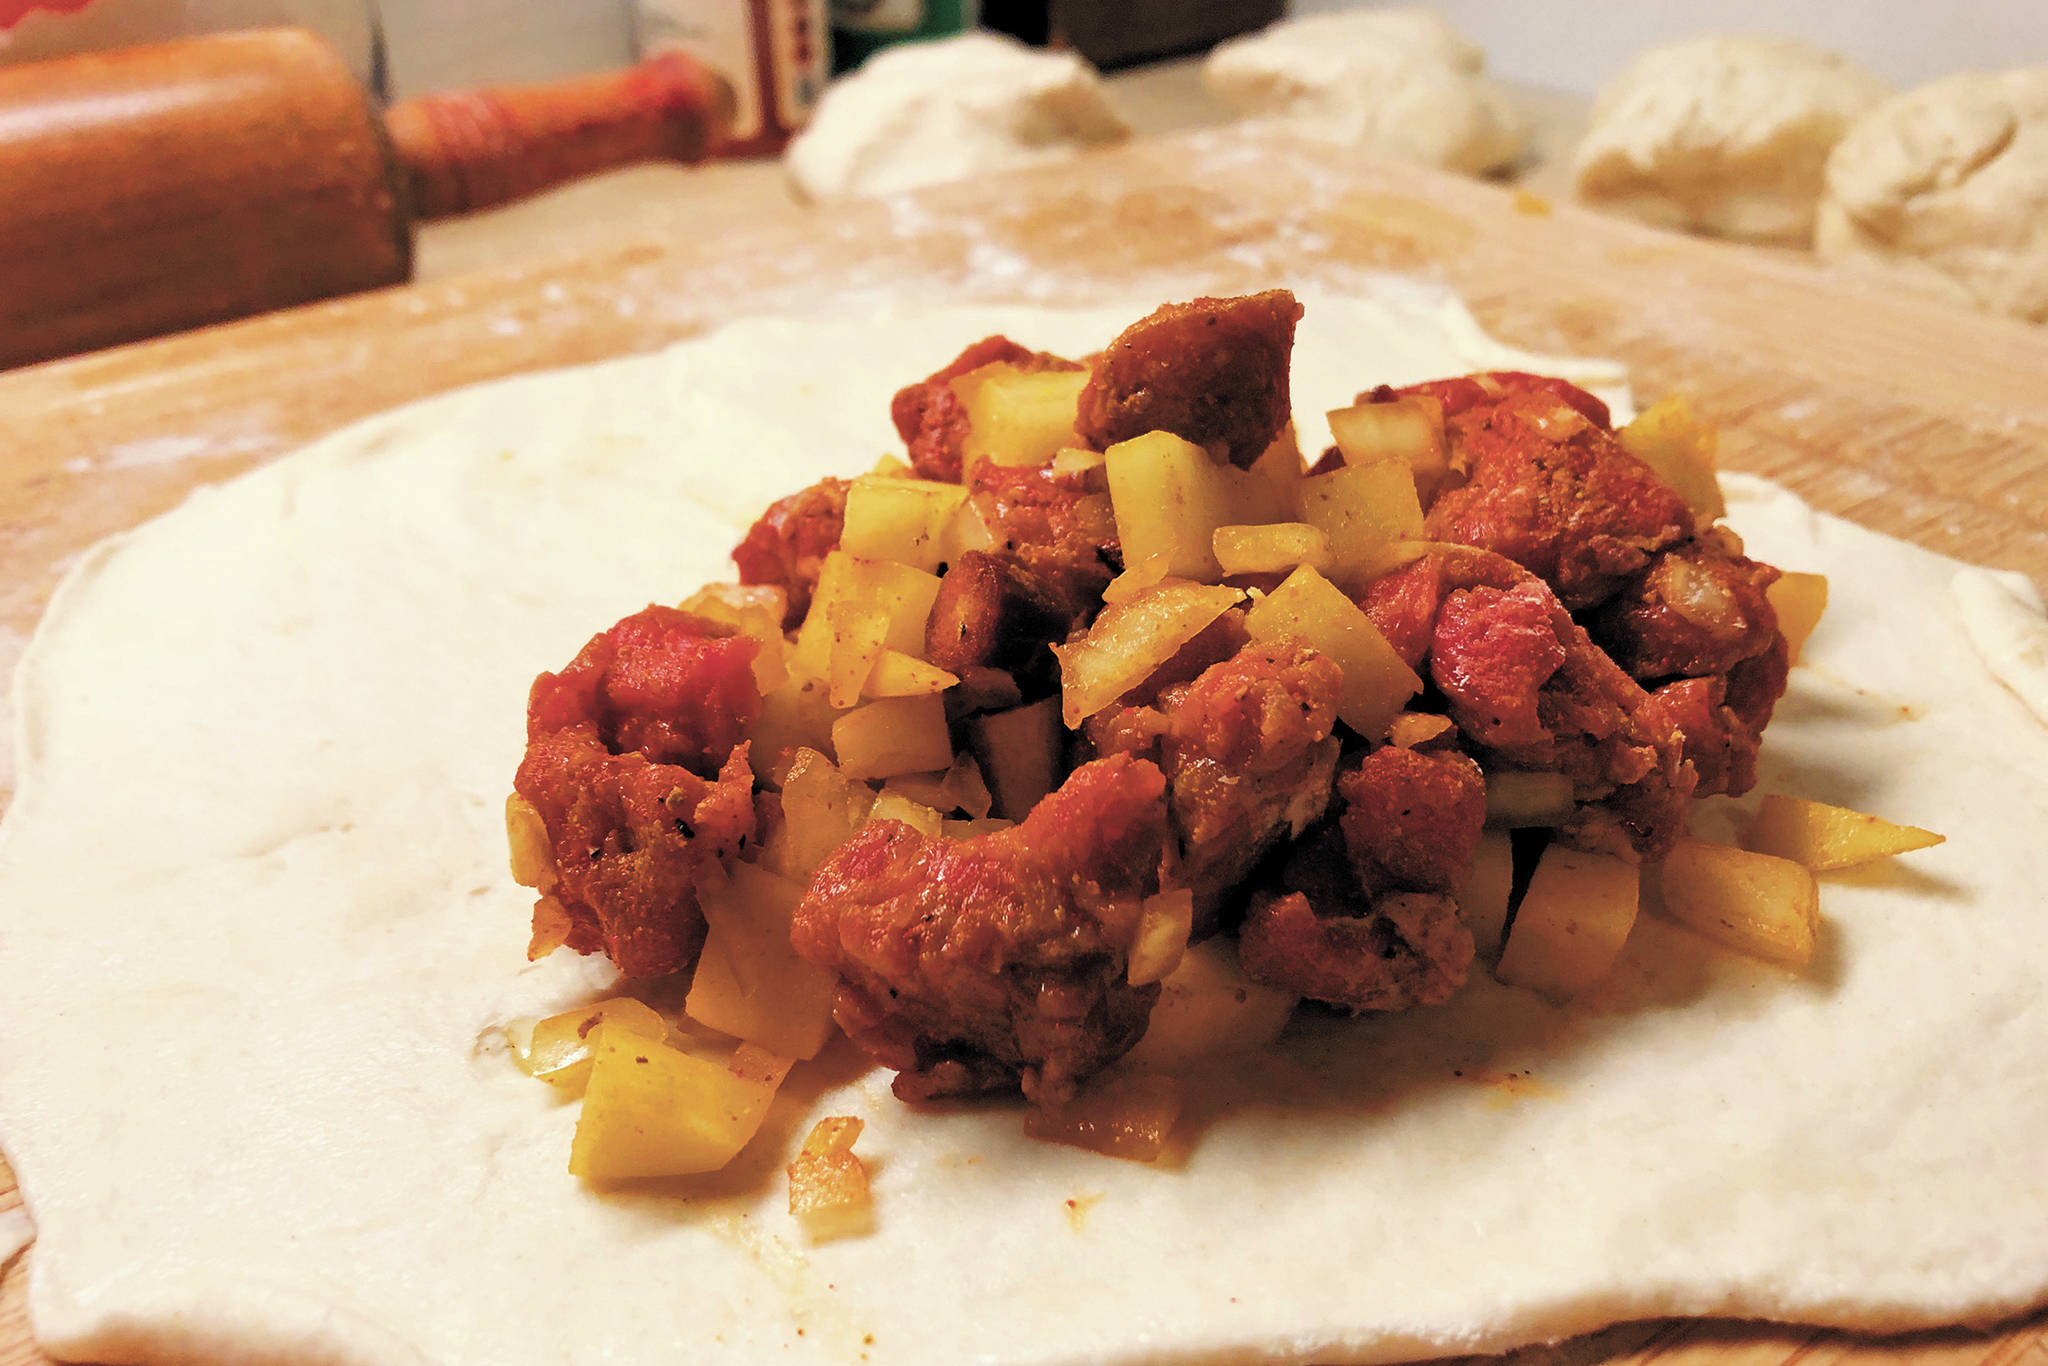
point(861, 26)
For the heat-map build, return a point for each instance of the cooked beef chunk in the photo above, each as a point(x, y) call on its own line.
point(930, 417)
point(1049, 523)
point(787, 546)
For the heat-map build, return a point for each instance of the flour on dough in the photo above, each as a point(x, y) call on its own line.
point(1394, 82)
point(1722, 135)
point(261, 944)
point(1949, 183)
point(925, 113)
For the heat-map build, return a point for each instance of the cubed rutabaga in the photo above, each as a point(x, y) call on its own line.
point(891, 736)
point(1169, 497)
point(1015, 416)
point(1799, 600)
point(1309, 608)
point(1679, 446)
point(1409, 429)
point(904, 520)
point(1572, 922)
point(1371, 515)
point(861, 606)
point(749, 982)
point(1824, 837)
point(1756, 904)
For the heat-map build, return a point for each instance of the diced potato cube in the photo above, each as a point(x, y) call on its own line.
point(893, 735)
point(1208, 1008)
point(894, 806)
point(1827, 837)
point(1521, 799)
point(904, 520)
point(896, 674)
point(828, 1184)
point(653, 1110)
point(1271, 489)
point(1409, 429)
point(821, 808)
point(1020, 751)
point(1371, 515)
point(1118, 1114)
point(1132, 639)
point(1757, 904)
point(1163, 928)
point(557, 1049)
point(1799, 600)
point(749, 982)
point(1276, 548)
point(858, 630)
point(1676, 443)
point(797, 715)
point(1309, 608)
point(1018, 417)
point(1483, 900)
point(1169, 497)
point(755, 610)
point(1572, 922)
point(851, 593)
point(533, 857)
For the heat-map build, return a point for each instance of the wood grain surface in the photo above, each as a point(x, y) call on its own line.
point(1900, 412)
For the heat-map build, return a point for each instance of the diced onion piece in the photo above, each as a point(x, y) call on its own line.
point(1020, 752)
point(828, 1185)
point(1572, 922)
point(1409, 429)
point(1679, 447)
point(1119, 1114)
point(1483, 900)
point(1275, 548)
point(798, 715)
point(557, 1050)
point(851, 591)
point(1520, 799)
point(533, 857)
point(1163, 928)
point(1828, 837)
point(654, 1110)
point(1371, 515)
point(1309, 608)
point(1017, 417)
point(821, 807)
point(1799, 600)
point(896, 674)
point(1208, 1008)
point(858, 630)
point(1076, 460)
point(552, 926)
point(904, 520)
point(959, 788)
point(1169, 497)
point(1138, 577)
point(749, 982)
point(755, 610)
point(1413, 729)
point(894, 806)
point(1130, 640)
point(893, 735)
point(1757, 904)
point(968, 530)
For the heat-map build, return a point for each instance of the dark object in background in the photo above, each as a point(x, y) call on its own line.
point(860, 27)
point(1028, 21)
point(1113, 33)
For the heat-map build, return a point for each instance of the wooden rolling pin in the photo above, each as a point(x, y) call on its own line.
point(158, 188)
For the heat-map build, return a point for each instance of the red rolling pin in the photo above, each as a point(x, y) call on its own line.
point(158, 188)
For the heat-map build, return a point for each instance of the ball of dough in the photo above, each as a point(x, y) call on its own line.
point(924, 113)
point(1951, 182)
point(1395, 82)
point(1722, 135)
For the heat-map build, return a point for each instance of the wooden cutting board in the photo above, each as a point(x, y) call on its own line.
point(1902, 413)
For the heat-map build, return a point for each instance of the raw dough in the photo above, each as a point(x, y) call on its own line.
point(1950, 182)
point(260, 940)
point(1393, 82)
point(925, 113)
point(1722, 135)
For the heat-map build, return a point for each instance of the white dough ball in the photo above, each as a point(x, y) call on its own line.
point(1395, 82)
point(1722, 135)
point(1950, 182)
point(926, 113)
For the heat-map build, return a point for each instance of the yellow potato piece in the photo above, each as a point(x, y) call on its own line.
point(653, 1110)
point(1408, 429)
point(749, 982)
point(1799, 600)
point(1169, 497)
point(1572, 922)
point(1271, 488)
point(851, 592)
point(1519, 799)
point(1132, 639)
point(1208, 1008)
point(1679, 446)
point(1275, 548)
point(1757, 904)
point(896, 674)
point(828, 1184)
point(904, 520)
point(891, 736)
point(557, 1050)
point(1017, 417)
point(1309, 608)
point(1371, 515)
point(1483, 900)
point(1827, 837)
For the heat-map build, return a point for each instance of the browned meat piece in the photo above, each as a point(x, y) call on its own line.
point(1048, 522)
point(1539, 478)
point(1463, 394)
point(976, 964)
point(1410, 950)
point(930, 417)
point(636, 760)
point(1213, 372)
point(1695, 611)
point(993, 613)
point(787, 546)
point(1412, 818)
point(1403, 605)
point(1248, 757)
